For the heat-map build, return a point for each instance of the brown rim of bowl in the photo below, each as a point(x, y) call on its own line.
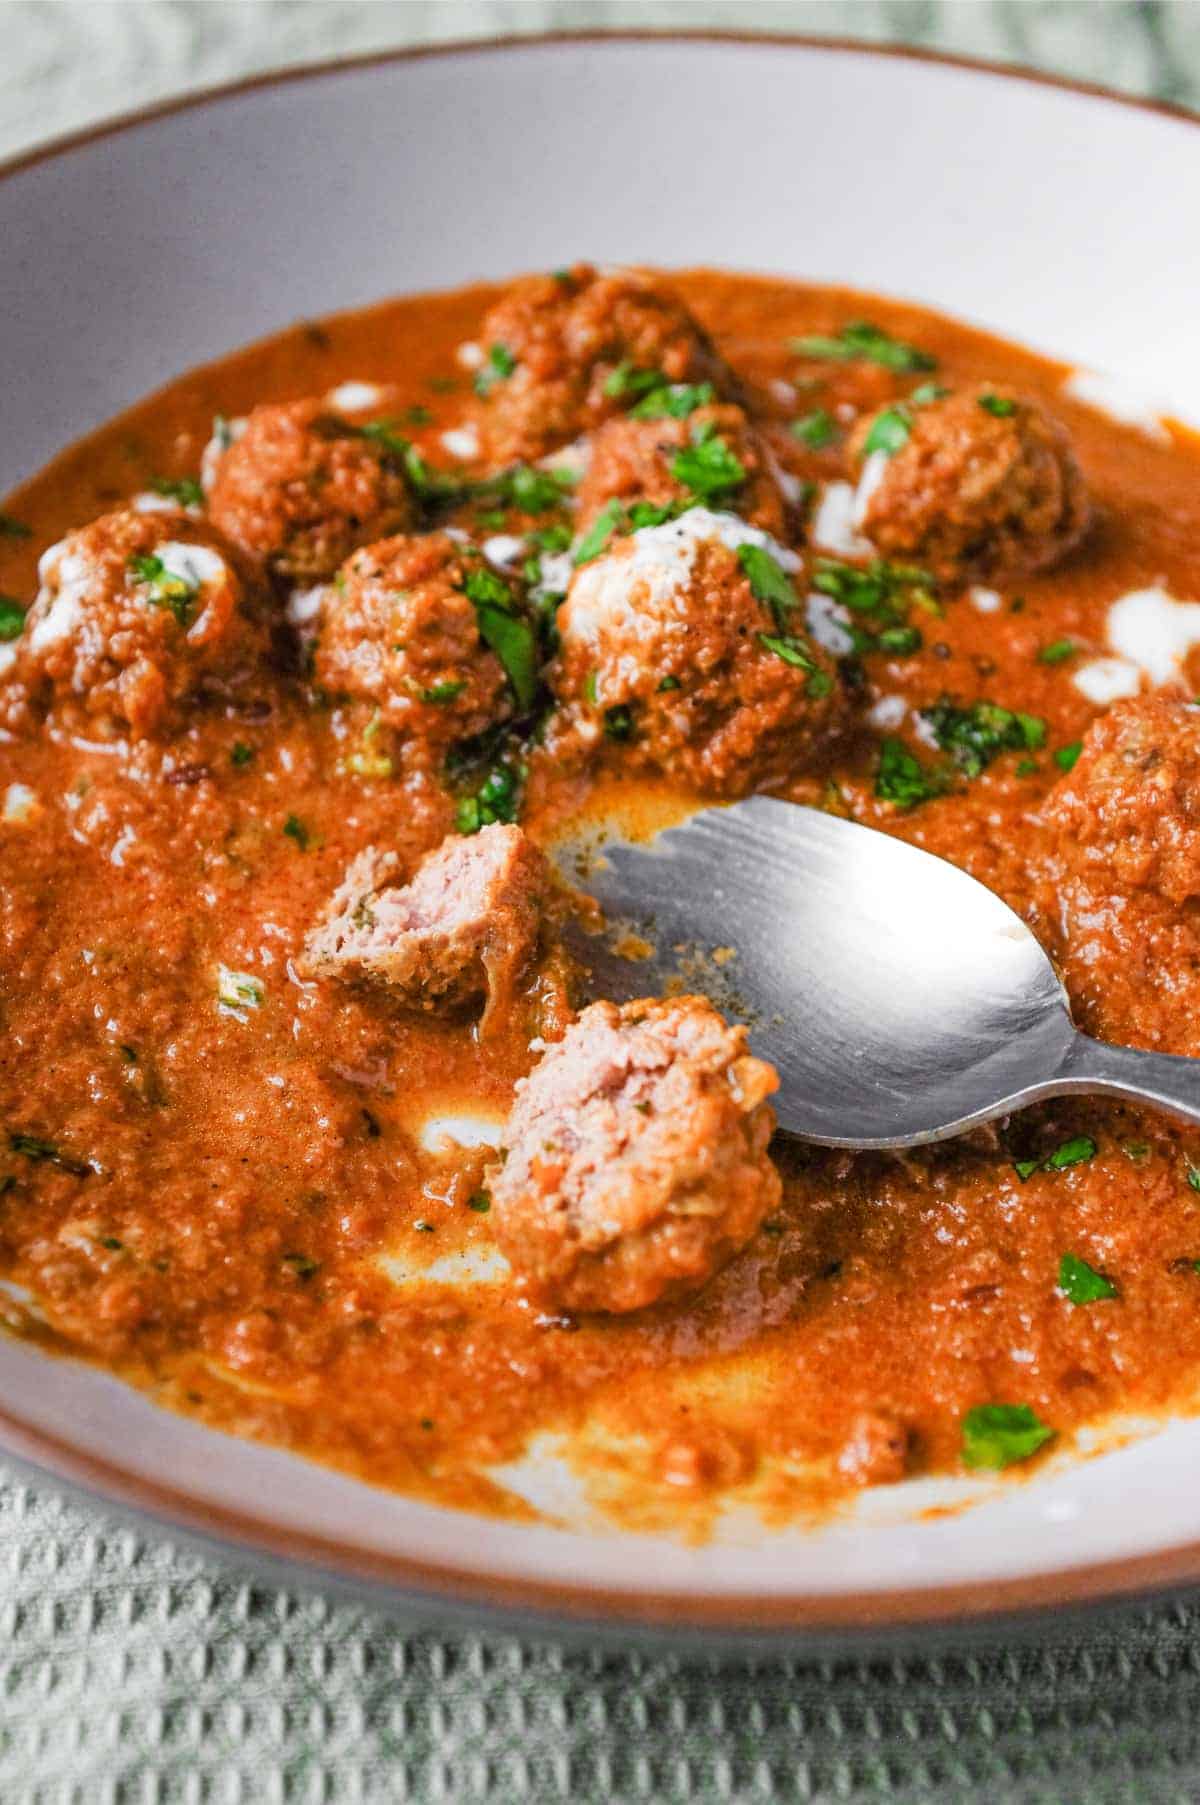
point(855, 1615)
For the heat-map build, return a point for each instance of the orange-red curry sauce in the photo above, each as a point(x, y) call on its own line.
point(250, 1170)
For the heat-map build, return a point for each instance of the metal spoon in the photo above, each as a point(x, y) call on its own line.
point(899, 1000)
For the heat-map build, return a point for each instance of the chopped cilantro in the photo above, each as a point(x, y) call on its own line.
point(649, 513)
point(480, 1202)
point(861, 339)
point(708, 467)
point(618, 722)
point(606, 523)
point(667, 684)
point(30, 1146)
point(165, 588)
point(12, 618)
point(498, 798)
point(769, 582)
point(795, 652)
point(1136, 1150)
point(976, 735)
point(444, 692)
point(902, 778)
point(238, 990)
point(1193, 1176)
point(998, 1435)
point(926, 393)
point(1075, 1152)
point(1067, 757)
point(498, 367)
point(418, 416)
point(241, 755)
point(889, 430)
point(901, 642)
point(1000, 406)
point(509, 634)
point(1026, 767)
point(1081, 1283)
point(1057, 652)
point(532, 491)
point(11, 528)
point(674, 401)
point(185, 490)
point(295, 830)
point(627, 380)
point(302, 1264)
point(429, 484)
point(551, 538)
point(816, 430)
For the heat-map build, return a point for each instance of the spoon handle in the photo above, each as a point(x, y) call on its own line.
point(1161, 1079)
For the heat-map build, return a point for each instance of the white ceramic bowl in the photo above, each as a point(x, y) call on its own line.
point(1058, 216)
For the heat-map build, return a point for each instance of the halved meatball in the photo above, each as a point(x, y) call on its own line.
point(137, 614)
point(463, 927)
point(564, 352)
point(984, 486)
point(679, 645)
point(713, 454)
point(635, 1158)
point(301, 488)
point(398, 630)
point(1127, 816)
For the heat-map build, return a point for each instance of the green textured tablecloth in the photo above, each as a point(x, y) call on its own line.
point(133, 1671)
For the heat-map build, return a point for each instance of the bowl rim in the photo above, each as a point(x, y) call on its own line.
point(852, 1618)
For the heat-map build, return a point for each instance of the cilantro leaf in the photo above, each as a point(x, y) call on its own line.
point(618, 722)
point(185, 490)
point(708, 467)
point(531, 490)
point(11, 528)
point(976, 735)
point(31, 1146)
point(1081, 1283)
point(626, 379)
point(498, 367)
point(816, 430)
point(902, 778)
point(998, 1435)
point(498, 798)
point(1057, 652)
point(769, 581)
point(795, 652)
point(509, 634)
point(1000, 406)
point(607, 522)
point(861, 339)
point(674, 401)
point(295, 830)
point(889, 430)
point(1075, 1152)
point(165, 588)
point(12, 618)
point(240, 755)
point(1067, 757)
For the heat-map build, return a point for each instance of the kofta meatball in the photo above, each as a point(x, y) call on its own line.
point(463, 927)
point(713, 453)
point(137, 614)
point(300, 488)
point(398, 630)
point(679, 644)
point(635, 1159)
point(565, 352)
point(984, 487)
point(1127, 816)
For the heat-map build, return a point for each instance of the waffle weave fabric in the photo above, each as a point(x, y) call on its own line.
point(132, 1670)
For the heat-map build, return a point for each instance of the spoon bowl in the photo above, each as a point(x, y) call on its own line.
point(899, 999)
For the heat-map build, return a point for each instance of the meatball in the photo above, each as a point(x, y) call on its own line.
point(399, 630)
point(713, 454)
point(565, 352)
point(1127, 817)
point(984, 486)
point(301, 488)
point(635, 1159)
point(678, 644)
point(464, 926)
point(137, 614)
point(876, 1450)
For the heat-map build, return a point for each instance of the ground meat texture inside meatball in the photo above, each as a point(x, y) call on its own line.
point(301, 488)
point(1128, 814)
point(683, 646)
point(564, 352)
point(137, 614)
point(975, 485)
point(876, 1450)
point(464, 926)
point(712, 454)
point(635, 1158)
point(400, 629)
